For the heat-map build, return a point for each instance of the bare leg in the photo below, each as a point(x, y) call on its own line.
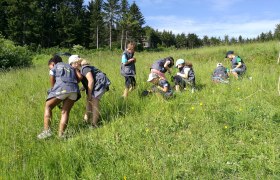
point(95, 111)
point(125, 92)
point(177, 87)
point(50, 104)
point(235, 75)
point(88, 111)
point(67, 105)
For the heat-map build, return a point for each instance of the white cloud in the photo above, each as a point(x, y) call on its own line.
point(247, 29)
point(223, 5)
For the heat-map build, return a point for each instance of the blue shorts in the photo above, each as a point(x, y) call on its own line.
point(238, 70)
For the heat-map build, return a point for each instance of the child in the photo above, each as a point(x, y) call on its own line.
point(220, 74)
point(237, 64)
point(64, 88)
point(162, 66)
point(185, 75)
point(160, 85)
point(95, 83)
point(128, 69)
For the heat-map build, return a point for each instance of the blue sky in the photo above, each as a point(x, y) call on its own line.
point(216, 18)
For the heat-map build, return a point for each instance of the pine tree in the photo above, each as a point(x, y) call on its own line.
point(22, 22)
point(96, 22)
point(3, 18)
point(277, 32)
point(112, 10)
point(136, 29)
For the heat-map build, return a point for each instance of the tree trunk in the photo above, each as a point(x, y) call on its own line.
point(97, 33)
point(110, 36)
point(122, 40)
point(125, 40)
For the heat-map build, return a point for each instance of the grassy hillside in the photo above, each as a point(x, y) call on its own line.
point(220, 131)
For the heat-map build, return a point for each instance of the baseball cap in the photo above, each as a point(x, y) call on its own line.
point(219, 64)
point(180, 61)
point(152, 76)
point(228, 53)
point(74, 58)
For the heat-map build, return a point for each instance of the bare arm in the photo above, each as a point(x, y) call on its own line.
point(78, 75)
point(130, 60)
point(166, 66)
point(90, 79)
point(52, 81)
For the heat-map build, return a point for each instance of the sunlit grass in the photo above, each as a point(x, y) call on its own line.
point(219, 132)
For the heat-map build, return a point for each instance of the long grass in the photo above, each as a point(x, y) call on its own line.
point(219, 132)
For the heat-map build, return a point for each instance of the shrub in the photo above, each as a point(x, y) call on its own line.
point(13, 56)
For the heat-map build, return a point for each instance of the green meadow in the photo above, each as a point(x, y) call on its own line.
point(222, 131)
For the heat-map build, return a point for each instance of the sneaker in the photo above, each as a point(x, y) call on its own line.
point(45, 134)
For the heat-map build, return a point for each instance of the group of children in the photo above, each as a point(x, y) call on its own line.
point(183, 78)
point(64, 79)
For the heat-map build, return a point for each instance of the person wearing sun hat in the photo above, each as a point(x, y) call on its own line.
point(185, 76)
point(160, 85)
point(237, 64)
point(220, 74)
point(96, 83)
point(64, 88)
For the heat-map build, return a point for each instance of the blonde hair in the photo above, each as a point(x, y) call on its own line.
point(84, 62)
point(131, 45)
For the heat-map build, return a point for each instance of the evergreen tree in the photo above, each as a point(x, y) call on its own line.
point(136, 28)
point(112, 10)
point(22, 21)
point(277, 32)
point(226, 39)
point(167, 38)
point(181, 40)
point(96, 23)
point(70, 25)
point(240, 39)
point(205, 41)
point(3, 17)
point(124, 19)
point(193, 40)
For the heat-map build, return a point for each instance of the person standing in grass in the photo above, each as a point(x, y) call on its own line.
point(160, 67)
point(96, 84)
point(64, 88)
point(161, 85)
point(185, 76)
point(237, 64)
point(128, 69)
point(220, 74)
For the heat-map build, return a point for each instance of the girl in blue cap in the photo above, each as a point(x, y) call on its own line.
point(185, 76)
point(64, 88)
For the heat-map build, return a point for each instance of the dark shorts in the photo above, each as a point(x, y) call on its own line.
point(130, 81)
point(178, 80)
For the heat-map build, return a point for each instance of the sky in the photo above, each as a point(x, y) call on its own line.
point(214, 18)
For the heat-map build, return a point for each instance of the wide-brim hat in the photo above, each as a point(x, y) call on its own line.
point(152, 76)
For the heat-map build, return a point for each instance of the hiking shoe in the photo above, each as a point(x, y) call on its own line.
point(45, 134)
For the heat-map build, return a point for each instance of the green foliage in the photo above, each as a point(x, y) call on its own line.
point(13, 56)
point(222, 131)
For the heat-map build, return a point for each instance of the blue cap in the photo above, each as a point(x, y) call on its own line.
point(180, 61)
point(228, 53)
